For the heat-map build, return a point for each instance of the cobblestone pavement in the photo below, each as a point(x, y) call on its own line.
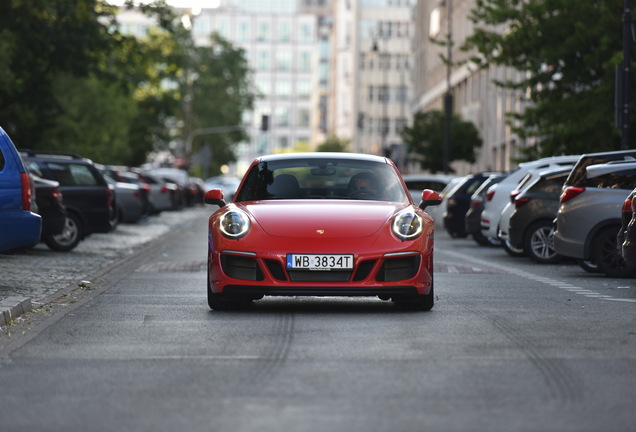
point(35, 274)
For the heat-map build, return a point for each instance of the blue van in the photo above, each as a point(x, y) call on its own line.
point(19, 226)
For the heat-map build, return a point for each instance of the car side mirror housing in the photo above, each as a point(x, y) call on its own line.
point(214, 197)
point(429, 198)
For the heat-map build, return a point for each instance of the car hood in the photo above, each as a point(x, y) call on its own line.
point(322, 218)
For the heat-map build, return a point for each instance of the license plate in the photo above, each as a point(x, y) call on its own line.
point(319, 262)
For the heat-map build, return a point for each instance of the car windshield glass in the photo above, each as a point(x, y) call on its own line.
point(322, 179)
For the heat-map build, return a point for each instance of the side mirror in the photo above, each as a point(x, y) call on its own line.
point(215, 197)
point(430, 197)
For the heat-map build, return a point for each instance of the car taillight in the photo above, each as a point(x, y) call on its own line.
point(513, 195)
point(570, 193)
point(57, 197)
point(164, 189)
point(489, 195)
point(146, 187)
point(520, 202)
point(627, 205)
point(109, 198)
point(476, 202)
point(26, 191)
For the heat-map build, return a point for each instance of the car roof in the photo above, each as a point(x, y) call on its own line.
point(606, 168)
point(322, 155)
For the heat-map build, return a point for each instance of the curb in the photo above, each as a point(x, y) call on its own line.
point(13, 307)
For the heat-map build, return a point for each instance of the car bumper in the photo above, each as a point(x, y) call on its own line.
point(19, 229)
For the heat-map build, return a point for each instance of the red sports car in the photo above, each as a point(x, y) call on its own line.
point(321, 224)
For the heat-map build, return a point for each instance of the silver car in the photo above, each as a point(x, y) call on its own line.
point(589, 217)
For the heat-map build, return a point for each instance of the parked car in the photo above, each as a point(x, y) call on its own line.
point(128, 203)
point(19, 226)
point(416, 183)
point(321, 224)
point(509, 208)
point(531, 226)
point(626, 239)
point(160, 192)
point(589, 217)
point(499, 194)
point(229, 185)
point(124, 178)
point(458, 203)
point(50, 204)
point(437, 212)
point(87, 196)
point(578, 178)
point(178, 179)
point(473, 215)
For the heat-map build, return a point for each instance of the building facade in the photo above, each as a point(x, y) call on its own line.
point(475, 97)
point(371, 72)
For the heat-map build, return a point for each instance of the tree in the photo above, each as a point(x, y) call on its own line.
point(425, 140)
point(333, 144)
point(217, 91)
point(38, 40)
point(566, 52)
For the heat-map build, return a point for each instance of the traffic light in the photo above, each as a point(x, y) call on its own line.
point(264, 122)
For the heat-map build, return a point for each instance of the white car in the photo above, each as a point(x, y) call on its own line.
point(498, 195)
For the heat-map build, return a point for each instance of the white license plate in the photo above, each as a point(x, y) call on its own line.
point(319, 262)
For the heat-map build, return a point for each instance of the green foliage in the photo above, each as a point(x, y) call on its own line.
point(71, 81)
point(566, 53)
point(220, 92)
point(425, 140)
point(333, 144)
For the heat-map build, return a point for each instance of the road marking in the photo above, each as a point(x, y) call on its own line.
point(558, 284)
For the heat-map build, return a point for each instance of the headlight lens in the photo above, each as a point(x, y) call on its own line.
point(407, 225)
point(234, 224)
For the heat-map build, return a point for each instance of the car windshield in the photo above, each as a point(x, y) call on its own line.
point(327, 178)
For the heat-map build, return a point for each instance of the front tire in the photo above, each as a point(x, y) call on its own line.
point(418, 302)
point(539, 243)
point(68, 238)
point(609, 261)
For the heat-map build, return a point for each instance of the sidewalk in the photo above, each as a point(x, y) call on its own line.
point(29, 278)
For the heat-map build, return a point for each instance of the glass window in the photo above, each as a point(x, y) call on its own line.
point(283, 89)
point(244, 32)
point(303, 117)
point(264, 32)
point(284, 32)
point(264, 61)
point(306, 33)
point(304, 61)
point(303, 88)
point(283, 60)
point(282, 116)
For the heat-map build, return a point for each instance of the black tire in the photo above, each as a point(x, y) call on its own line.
point(68, 238)
point(539, 243)
point(588, 266)
point(418, 302)
point(483, 240)
point(609, 260)
point(511, 250)
point(220, 302)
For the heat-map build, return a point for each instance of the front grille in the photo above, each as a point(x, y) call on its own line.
point(319, 276)
point(240, 267)
point(276, 269)
point(395, 269)
point(364, 269)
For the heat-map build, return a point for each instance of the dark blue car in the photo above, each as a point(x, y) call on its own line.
point(19, 226)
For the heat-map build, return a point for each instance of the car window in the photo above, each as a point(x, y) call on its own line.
point(73, 174)
point(319, 179)
point(550, 185)
point(625, 179)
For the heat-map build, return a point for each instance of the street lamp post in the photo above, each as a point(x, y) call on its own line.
point(448, 97)
point(384, 94)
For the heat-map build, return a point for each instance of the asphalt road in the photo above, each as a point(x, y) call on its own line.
point(509, 346)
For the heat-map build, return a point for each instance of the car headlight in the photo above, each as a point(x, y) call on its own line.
point(234, 224)
point(407, 225)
